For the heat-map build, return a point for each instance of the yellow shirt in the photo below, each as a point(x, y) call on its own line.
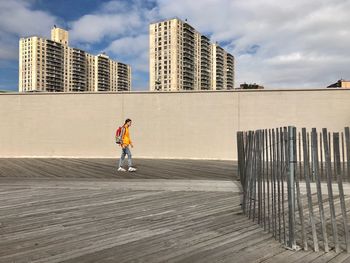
point(126, 137)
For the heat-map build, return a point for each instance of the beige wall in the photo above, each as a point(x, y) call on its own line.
point(166, 125)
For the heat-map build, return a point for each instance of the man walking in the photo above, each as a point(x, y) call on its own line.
point(126, 141)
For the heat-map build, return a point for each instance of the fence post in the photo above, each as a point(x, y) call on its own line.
point(291, 186)
point(341, 190)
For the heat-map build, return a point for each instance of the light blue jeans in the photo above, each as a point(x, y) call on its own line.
point(125, 151)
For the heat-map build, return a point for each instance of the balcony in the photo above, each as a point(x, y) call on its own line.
point(103, 73)
point(204, 64)
point(188, 79)
point(123, 73)
point(187, 66)
point(188, 28)
point(219, 64)
point(76, 61)
point(205, 76)
point(188, 49)
point(187, 86)
point(188, 42)
point(123, 76)
point(205, 53)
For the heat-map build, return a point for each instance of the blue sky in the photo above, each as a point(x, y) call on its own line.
point(276, 43)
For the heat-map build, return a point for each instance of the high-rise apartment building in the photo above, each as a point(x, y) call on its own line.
point(183, 59)
point(51, 65)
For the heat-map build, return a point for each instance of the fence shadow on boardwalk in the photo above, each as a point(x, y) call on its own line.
point(294, 183)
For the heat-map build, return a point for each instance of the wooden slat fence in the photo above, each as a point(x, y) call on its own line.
point(296, 185)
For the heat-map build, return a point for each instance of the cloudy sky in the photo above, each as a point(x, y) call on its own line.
point(277, 43)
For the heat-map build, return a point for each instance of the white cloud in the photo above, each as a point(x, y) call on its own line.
point(129, 45)
point(94, 27)
point(17, 19)
point(135, 52)
point(301, 43)
point(115, 19)
point(276, 43)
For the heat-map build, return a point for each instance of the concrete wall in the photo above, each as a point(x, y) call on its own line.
point(165, 125)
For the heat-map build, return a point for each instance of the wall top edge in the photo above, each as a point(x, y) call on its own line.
point(169, 92)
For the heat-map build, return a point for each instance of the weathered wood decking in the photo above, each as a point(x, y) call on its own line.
point(75, 210)
point(106, 169)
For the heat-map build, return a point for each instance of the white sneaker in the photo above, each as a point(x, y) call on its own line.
point(121, 169)
point(132, 169)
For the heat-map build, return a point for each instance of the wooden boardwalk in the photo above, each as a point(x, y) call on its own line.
point(106, 169)
point(74, 210)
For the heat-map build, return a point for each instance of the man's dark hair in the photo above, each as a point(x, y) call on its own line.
point(126, 121)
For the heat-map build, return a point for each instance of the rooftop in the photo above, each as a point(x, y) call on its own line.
point(81, 210)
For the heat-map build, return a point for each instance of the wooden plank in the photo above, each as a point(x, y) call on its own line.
point(271, 216)
point(347, 143)
point(290, 163)
point(240, 156)
point(314, 146)
point(274, 180)
point(307, 181)
point(284, 160)
point(264, 177)
point(278, 181)
point(321, 158)
point(328, 171)
point(343, 173)
point(251, 180)
point(259, 176)
point(299, 200)
point(268, 162)
point(255, 175)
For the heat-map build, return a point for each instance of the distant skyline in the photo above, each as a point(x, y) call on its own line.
point(278, 44)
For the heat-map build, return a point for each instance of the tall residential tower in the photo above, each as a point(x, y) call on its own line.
point(183, 59)
point(51, 65)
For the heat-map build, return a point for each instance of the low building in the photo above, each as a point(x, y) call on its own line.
point(250, 86)
point(51, 65)
point(345, 84)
